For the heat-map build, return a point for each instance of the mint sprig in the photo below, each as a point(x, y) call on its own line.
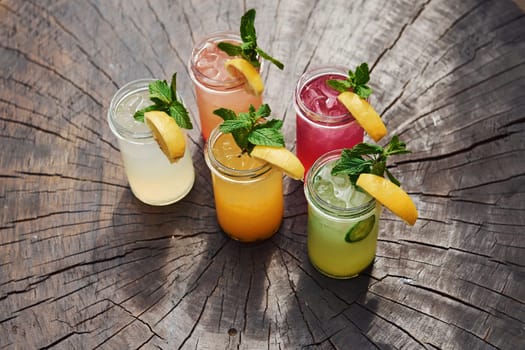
point(251, 128)
point(248, 49)
point(368, 158)
point(355, 82)
point(164, 98)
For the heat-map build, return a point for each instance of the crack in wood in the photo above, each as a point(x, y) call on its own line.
point(247, 296)
point(327, 339)
point(48, 215)
point(12, 242)
point(399, 35)
point(396, 99)
point(137, 318)
point(466, 149)
point(395, 325)
point(66, 177)
point(468, 12)
point(195, 284)
point(488, 183)
point(54, 72)
point(173, 47)
point(33, 126)
point(61, 339)
point(292, 286)
point(122, 41)
point(197, 321)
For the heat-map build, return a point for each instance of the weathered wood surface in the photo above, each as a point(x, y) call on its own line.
point(84, 265)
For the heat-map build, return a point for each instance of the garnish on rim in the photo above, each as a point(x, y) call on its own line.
point(355, 100)
point(165, 118)
point(239, 66)
point(249, 52)
point(261, 138)
point(167, 133)
point(365, 164)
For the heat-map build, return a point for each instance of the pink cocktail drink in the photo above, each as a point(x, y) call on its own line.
point(322, 122)
point(214, 86)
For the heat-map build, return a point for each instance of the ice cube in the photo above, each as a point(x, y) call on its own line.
point(359, 198)
point(211, 72)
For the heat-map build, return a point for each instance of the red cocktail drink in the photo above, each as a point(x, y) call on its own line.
point(322, 123)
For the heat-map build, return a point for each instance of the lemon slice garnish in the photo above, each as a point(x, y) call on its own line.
point(390, 195)
point(364, 114)
point(241, 67)
point(281, 158)
point(167, 133)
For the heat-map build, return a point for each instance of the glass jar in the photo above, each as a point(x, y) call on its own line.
point(342, 227)
point(248, 193)
point(322, 122)
point(152, 178)
point(214, 86)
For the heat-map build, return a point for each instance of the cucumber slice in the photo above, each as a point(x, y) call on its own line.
point(360, 230)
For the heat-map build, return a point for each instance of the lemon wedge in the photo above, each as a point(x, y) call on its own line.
point(364, 113)
point(241, 67)
point(167, 133)
point(390, 195)
point(281, 158)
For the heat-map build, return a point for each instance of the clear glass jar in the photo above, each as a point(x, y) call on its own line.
point(342, 237)
point(248, 193)
point(214, 86)
point(322, 122)
point(152, 178)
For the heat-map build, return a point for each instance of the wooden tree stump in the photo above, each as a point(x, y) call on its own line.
point(85, 265)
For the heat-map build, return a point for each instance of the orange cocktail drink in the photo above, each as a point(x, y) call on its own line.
point(248, 192)
point(214, 86)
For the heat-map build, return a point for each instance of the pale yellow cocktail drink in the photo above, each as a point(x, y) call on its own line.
point(151, 176)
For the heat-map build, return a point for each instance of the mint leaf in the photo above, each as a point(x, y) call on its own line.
point(225, 114)
point(178, 112)
point(266, 137)
point(232, 125)
point(274, 124)
point(361, 149)
point(355, 82)
point(392, 178)
point(164, 97)
point(351, 166)
point(248, 48)
point(339, 85)
point(362, 75)
point(263, 111)
point(266, 56)
point(229, 48)
point(248, 26)
point(160, 92)
point(379, 167)
point(252, 128)
point(139, 115)
point(395, 146)
point(363, 91)
point(173, 85)
point(368, 158)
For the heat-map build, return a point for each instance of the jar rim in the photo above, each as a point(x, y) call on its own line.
point(307, 77)
point(120, 130)
point(226, 171)
point(328, 208)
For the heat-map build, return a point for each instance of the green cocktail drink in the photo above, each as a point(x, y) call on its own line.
point(343, 221)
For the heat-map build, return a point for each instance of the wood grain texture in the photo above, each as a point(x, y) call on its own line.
point(84, 265)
